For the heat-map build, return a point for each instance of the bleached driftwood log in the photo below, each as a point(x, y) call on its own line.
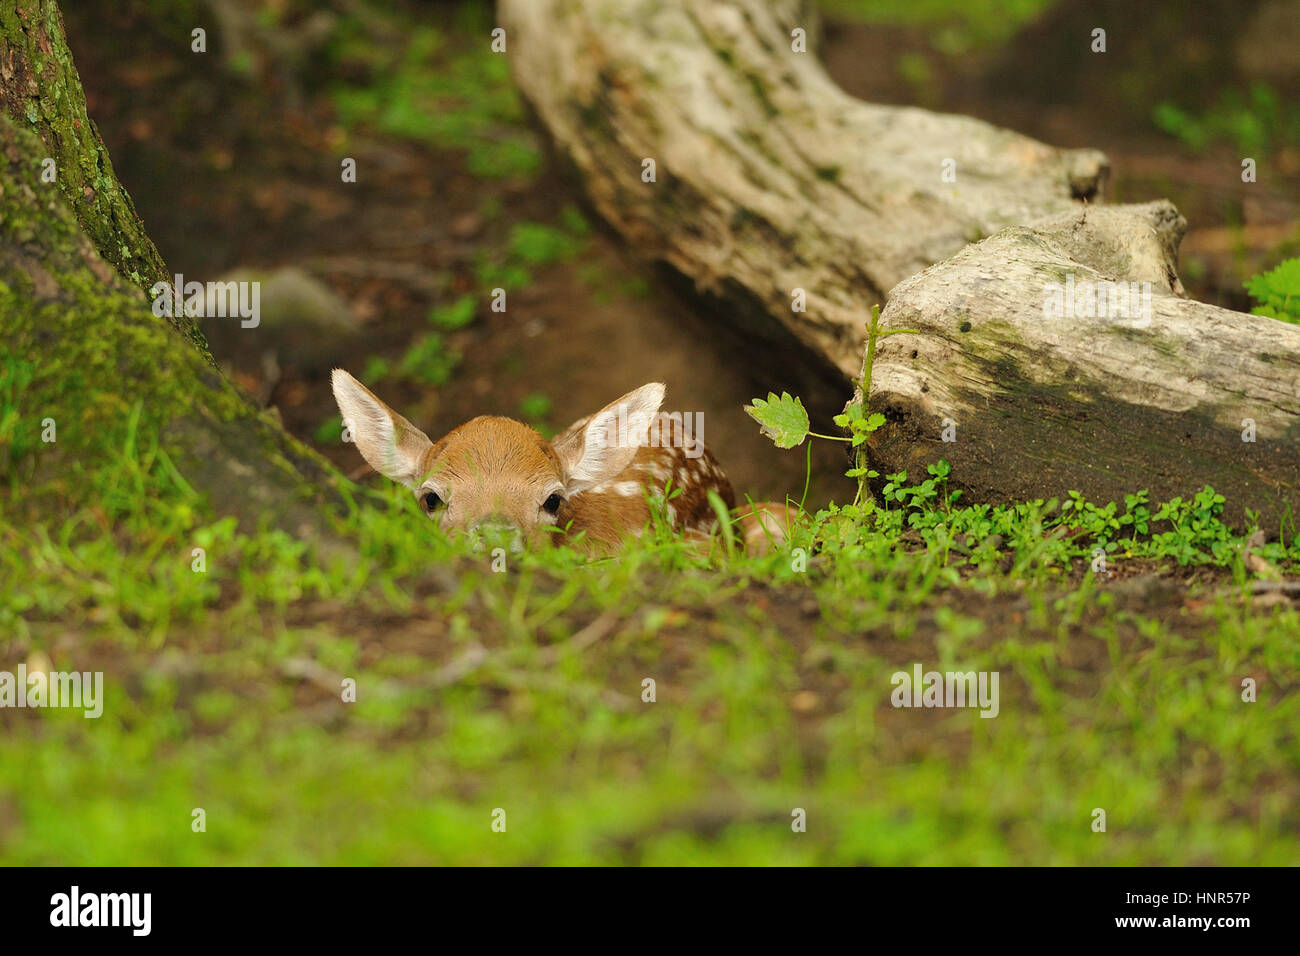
point(1046, 384)
point(768, 177)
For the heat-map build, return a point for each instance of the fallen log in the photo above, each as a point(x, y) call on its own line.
point(768, 178)
point(769, 182)
point(1063, 356)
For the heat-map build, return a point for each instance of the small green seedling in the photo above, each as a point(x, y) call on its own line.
point(785, 420)
point(1277, 291)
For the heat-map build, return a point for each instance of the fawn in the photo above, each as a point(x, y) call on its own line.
point(500, 480)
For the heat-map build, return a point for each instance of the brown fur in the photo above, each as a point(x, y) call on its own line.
point(609, 516)
point(498, 467)
point(494, 470)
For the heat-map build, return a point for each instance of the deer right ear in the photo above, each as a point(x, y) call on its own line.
point(610, 440)
point(392, 445)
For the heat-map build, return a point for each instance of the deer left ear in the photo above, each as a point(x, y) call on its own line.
point(391, 444)
point(610, 441)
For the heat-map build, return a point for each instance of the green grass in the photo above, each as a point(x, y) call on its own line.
point(1258, 123)
point(535, 409)
point(444, 87)
point(429, 360)
point(531, 246)
point(455, 315)
point(523, 690)
point(957, 27)
point(437, 82)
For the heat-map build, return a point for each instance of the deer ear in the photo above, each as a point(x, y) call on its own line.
point(391, 444)
point(598, 450)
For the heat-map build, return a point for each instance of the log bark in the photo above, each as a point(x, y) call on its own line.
point(771, 179)
point(768, 177)
point(1041, 395)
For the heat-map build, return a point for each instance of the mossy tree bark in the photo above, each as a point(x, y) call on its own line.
point(41, 91)
point(82, 347)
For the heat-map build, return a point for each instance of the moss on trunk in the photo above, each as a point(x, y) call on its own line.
point(41, 91)
point(83, 347)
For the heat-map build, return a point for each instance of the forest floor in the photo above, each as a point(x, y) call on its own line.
point(770, 680)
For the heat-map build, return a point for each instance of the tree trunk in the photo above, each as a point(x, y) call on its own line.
point(83, 350)
point(41, 91)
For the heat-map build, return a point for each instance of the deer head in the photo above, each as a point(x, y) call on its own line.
point(499, 479)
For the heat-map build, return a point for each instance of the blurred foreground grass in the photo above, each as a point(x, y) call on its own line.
point(523, 690)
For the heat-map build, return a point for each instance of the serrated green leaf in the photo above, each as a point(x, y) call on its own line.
point(1277, 291)
point(784, 419)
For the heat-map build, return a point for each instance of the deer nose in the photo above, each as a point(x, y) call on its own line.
point(492, 533)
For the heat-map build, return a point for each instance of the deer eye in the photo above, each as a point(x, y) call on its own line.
point(431, 501)
point(552, 504)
